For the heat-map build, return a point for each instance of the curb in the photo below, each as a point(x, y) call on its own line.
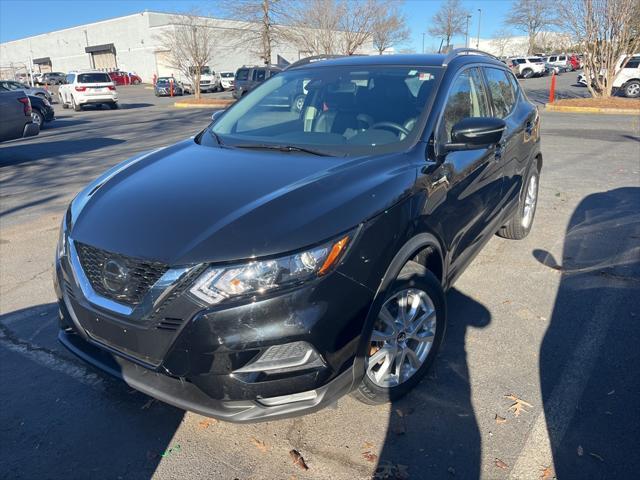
point(219, 104)
point(609, 111)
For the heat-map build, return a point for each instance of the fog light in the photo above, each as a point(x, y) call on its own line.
point(285, 357)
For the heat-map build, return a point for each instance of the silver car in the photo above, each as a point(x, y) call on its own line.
point(19, 86)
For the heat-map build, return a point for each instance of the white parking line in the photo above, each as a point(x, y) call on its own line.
point(559, 409)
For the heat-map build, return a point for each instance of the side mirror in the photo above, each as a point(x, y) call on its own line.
point(216, 115)
point(473, 133)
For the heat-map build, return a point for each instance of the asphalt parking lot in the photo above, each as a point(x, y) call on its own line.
point(551, 321)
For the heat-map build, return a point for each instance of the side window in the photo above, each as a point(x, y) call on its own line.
point(633, 63)
point(260, 75)
point(70, 78)
point(502, 94)
point(467, 99)
point(552, 59)
point(13, 86)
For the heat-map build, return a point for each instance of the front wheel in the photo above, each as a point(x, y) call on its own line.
point(632, 89)
point(405, 337)
point(519, 225)
point(37, 118)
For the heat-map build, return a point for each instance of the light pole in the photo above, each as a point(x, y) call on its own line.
point(466, 33)
point(479, 18)
point(422, 42)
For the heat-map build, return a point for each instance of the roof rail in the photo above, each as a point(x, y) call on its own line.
point(313, 58)
point(465, 51)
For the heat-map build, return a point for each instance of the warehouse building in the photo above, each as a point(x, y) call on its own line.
point(129, 43)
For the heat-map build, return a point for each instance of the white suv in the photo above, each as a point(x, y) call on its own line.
point(227, 80)
point(88, 87)
point(527, 67)
point(628, 78)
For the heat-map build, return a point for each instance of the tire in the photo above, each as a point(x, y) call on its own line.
point(113, 106)
point(136, 82)
point(632, 89)
point(527, 73)
point(77, 108)
point(37, 117)
point(417, 280)
point(519, 225)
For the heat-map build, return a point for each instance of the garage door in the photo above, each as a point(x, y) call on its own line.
point(104, 60)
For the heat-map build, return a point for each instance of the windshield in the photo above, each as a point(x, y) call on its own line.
point(226, 74)
point(336, 110)
point(242, 74)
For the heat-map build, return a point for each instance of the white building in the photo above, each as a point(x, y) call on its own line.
point(515, 46)
point(128, 43)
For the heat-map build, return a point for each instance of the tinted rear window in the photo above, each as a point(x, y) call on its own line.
point(242, 74)
point(94, 78)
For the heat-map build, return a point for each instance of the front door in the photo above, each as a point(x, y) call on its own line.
point(472, 178)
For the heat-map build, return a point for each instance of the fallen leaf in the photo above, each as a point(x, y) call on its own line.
point(298, 459)
point(580, 451)
point(369, 457)
point(547, 473)
point(500, 464)
point(518, 405)
point(500, 420)
point(259, 444)
point(206, 423)
point(148, 404)
point(595, 455)
point(169, 451)
point(367, 446)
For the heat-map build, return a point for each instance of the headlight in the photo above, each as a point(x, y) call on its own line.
point(220, 283)
point(61, 249)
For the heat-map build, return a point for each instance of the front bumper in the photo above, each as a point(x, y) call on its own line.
point(196, 365)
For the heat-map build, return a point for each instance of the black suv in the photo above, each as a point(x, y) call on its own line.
point(248, 78)
point(285, 257)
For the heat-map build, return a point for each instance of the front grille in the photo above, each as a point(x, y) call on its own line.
point(139, 275)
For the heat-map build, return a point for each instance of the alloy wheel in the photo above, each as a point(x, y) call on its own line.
point(35, 118)
point(402, 337)
point(633, 90)
point(530, 202)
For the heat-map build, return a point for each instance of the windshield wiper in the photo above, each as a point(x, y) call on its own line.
point(284, 148)
point(215, 136)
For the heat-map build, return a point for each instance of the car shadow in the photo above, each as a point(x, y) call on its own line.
point(589, 355)
point(81, 423)
point(433, 431)
point(30, 152)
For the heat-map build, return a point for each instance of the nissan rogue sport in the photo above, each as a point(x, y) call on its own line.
point(284, 257)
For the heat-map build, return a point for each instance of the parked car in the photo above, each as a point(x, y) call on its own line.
point(551, 68)
point(53, 78)
point(41, 111)
point(561, 61)
point(15, 111)
point(627, 81)
point(40, 92)
point(124, 78)
point(278, 260)
point(527, 67)
point(162, 87)
point(248, 78)
point(88, 88)
point(226, 80)
point(575, 62)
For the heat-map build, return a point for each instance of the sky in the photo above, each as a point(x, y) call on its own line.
point(24, 18)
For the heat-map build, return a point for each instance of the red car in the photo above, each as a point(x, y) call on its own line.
point(125, 78)
point(575, 63)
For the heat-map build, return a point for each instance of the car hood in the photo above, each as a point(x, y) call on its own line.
point(191, 203)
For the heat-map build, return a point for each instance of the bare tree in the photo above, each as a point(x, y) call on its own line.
point(531, 17)
point(606, 30)
point(389, 28)
point(260, 29)
point(500, 42)
point(449, 21)
point(331, 26)
point(189, 43)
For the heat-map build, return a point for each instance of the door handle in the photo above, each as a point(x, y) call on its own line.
point(443, 180)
